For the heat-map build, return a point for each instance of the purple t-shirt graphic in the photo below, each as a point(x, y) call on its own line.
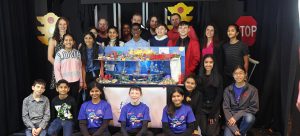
point(95, 113)
point(134, 115)
point(178, 123)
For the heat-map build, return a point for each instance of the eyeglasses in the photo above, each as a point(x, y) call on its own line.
point(238, 73)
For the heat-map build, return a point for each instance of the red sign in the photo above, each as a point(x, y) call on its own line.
point(248, 27)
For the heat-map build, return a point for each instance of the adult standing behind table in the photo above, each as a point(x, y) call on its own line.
point(126, 33)
point(94, 30)
point(152, 24)
point(173, 34)
point(102, 27)
point(137, 18)
point(56, 43)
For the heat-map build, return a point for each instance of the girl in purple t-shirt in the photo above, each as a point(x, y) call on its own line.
point(95, 114)
point(134, 116)
point(178, 118)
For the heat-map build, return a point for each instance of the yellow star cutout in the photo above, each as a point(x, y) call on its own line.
point(48, 21)
point(183, 10)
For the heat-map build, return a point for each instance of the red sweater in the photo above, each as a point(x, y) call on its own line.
point(173, 36)
point(192, 56)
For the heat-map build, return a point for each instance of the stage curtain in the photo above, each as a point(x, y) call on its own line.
point(16, 39)
point(277, 49)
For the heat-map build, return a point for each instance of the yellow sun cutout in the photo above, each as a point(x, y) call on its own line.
point(48, 21)
point(183, 10)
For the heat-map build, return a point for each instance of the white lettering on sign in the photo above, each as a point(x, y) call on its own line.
point(248, 30)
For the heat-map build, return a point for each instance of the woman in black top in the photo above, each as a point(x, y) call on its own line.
point(211, 92)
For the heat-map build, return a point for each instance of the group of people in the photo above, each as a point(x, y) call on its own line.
point(215, 83)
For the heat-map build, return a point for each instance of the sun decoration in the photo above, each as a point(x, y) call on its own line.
point(183, 10)
point(48, 21)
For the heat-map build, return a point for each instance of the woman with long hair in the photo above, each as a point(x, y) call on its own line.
point(210, 44)
point(62, 26)
point(152, 24)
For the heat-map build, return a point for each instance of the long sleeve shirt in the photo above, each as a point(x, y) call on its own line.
point(248, 103)
point(36, 113)
point(67, 65)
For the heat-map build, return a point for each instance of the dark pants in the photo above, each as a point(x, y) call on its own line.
point(74, 92)
point(206, 128)
point(90, 77)
point(105, 133)
point(147, 133)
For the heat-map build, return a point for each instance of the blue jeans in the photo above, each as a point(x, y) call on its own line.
point(28, 132)
point(245, 122)
point(58, 124)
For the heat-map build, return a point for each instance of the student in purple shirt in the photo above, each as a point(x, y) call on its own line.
point(134, 116)
point(178, 119)
point(95, 114)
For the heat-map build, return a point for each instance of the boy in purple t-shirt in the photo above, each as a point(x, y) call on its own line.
point(95, 114)
point(178, 119)
point(134, 116)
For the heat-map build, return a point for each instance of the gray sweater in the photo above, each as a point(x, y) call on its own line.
point(248, 103)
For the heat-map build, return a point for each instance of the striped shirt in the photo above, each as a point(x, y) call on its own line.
point(234, 55)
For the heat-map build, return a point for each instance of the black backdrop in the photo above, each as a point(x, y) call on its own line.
point(24, 58)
